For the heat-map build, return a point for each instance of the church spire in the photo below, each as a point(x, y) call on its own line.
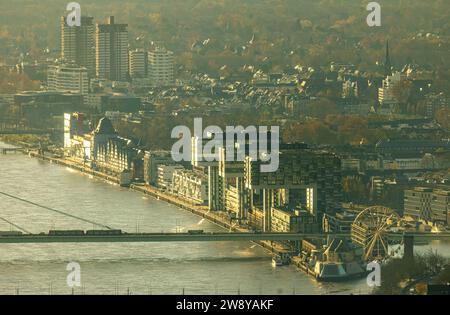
point(387, 62)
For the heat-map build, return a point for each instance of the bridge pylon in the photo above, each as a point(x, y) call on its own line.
point(408, 247)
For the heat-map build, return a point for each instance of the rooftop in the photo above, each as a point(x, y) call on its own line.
point(105, 127)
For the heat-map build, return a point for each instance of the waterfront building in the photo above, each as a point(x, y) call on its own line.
point(231, 196)
point(225, 178)
point(306, 176)
point(190, 185)
point(208, 163)
point(118, 155)
point(68, 78)
point(341, 222)
point(152, 160)
point(238, 187)
point(114, 154)
point(233, 202)
point(165, 175)
point(103, 149)
point(79, 147)
point(101, 135)
point(112, 51)
point(293, 221)
point(76, 126)
point(78, 43)
point(161, 67)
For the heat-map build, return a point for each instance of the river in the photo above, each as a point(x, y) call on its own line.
point(128, 268)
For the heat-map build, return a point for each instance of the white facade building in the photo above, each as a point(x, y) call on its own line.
point(165, 175)
point(190, 185)
point(68, 78)
point(161, 67)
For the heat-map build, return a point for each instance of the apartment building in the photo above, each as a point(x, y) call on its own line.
point(112, 51)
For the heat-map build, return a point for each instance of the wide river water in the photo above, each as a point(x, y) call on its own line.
point(128, 268)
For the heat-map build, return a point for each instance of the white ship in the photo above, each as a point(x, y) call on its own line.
point(276, 261)
point(280, 260)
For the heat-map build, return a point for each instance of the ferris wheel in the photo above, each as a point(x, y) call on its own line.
point(370, 229)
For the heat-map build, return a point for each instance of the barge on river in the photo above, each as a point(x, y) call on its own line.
point(337, 260)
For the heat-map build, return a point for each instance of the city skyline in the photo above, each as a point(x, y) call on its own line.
point(225, 147)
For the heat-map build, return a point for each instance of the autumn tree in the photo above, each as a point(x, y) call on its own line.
point(443, 117)
point(321, 108)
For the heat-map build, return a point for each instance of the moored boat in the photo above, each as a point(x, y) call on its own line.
point(338, 260)
point(276, 261)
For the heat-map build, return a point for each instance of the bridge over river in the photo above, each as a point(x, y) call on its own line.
point(188, 237)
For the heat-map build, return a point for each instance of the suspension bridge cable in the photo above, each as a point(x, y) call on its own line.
point(15, 225)
point(55, 210)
